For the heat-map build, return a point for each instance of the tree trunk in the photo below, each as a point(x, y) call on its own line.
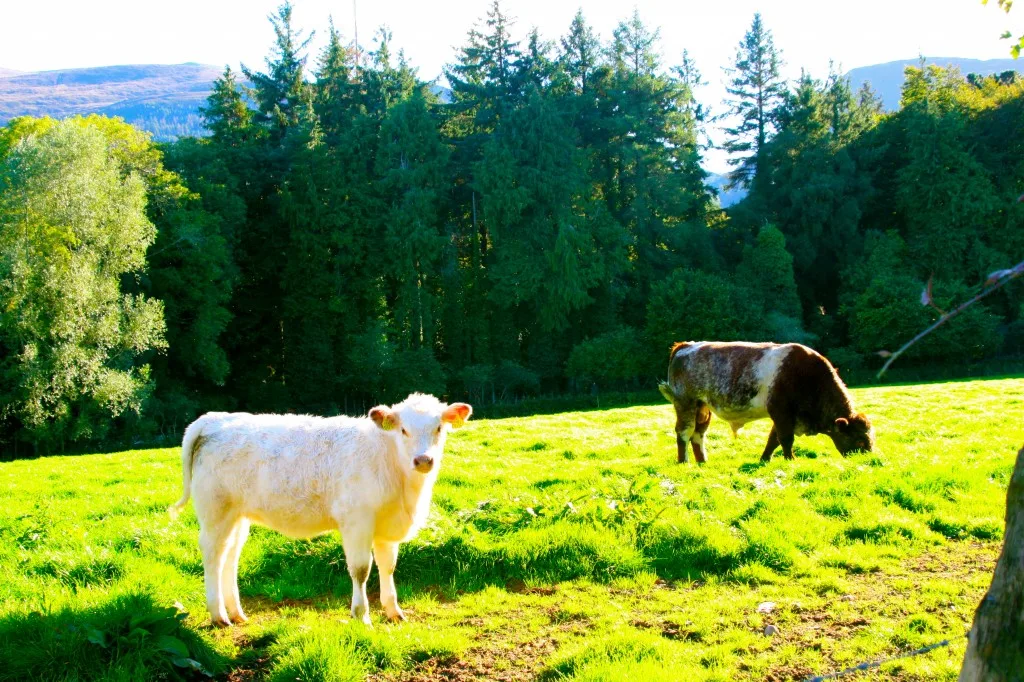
point(995, 647)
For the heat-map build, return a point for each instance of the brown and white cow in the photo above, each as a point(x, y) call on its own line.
point(794, 386)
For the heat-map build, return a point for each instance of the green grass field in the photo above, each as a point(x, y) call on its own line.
point(567, 546)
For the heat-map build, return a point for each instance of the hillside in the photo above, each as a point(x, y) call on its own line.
point(163, 99)
point(560, 547)
point(887, 79)
point(726, 197)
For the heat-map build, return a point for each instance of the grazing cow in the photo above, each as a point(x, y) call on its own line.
point(370, 478)
point(794, 386)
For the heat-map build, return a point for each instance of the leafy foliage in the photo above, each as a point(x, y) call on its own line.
point(74, 338)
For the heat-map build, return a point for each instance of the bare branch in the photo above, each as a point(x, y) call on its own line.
point(992, 283)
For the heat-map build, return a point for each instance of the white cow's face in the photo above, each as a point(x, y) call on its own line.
point(421, 423)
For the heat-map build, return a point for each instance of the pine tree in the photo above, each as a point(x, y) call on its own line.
point(484, 79)
point(285, 123)
point(279, 91)
point(757, 91)
point(766, 271)
point(649, 167)
point(226, 114)
point(337, 93)
point(580, 54)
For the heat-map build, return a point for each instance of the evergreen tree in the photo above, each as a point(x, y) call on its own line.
point(652, 179)
point(757, 90)
point(279, 92)
point(228, 118)
point(580, 54)
point(767, 270)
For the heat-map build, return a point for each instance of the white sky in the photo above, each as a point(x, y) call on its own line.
point(55, 34)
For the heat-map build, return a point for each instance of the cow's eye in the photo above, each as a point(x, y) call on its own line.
point(438, 431)
point(404, 432)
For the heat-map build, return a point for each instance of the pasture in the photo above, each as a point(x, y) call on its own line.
point(566, 546)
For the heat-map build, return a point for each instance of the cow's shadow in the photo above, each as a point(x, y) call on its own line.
point(314, 573)
point(798, 453)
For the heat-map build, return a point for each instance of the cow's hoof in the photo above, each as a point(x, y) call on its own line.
point(220, 622)
point(397, 616)
point(239, 618)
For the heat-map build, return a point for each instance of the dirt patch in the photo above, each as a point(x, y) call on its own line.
point(517, 586)
point(516, 663)
point(786, 673)
point(670, 629)
point(439, 594)
point(955, 562)
point(254, 663)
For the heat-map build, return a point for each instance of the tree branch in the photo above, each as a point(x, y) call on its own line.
point(994, 282)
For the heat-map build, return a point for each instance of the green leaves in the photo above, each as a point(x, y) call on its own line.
point(74, 232)
point(158, 635)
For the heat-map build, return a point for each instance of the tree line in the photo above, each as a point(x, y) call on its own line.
point(344, 235)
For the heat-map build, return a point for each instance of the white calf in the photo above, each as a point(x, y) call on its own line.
point(369, 477)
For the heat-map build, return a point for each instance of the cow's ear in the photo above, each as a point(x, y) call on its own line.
point(456, 414)
point(383, 417)
point(842, 423)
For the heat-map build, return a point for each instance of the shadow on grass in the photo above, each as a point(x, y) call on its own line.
point(127, 637)
point(470, 562)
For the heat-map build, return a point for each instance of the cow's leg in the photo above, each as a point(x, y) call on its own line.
point(703, 421)
point(386, 555)
point(786, 441)
point(214, 538)
point(769, 448)
point(686, 417)
point(784, 430)
point(358, 544)
point(229, 583)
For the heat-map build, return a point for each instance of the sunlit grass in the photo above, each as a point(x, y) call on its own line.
point(567, 546)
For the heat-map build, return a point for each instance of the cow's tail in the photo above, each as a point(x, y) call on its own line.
point(667, 392)
point(189, 445)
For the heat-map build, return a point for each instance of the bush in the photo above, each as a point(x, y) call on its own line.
point(613, 357)
point(691, 306)
point(889, 313)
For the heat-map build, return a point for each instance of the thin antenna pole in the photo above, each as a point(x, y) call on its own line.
point(355, 24)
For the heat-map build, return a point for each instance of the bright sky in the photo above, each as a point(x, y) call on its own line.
point(56, 34)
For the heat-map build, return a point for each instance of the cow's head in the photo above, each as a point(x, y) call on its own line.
point(851, 434)
point(420, 425)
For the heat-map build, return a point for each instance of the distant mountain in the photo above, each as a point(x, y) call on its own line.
point(163, 99)
point(887, 79)
point(726, 198)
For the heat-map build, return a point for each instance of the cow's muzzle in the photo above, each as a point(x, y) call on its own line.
point(423, 463)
